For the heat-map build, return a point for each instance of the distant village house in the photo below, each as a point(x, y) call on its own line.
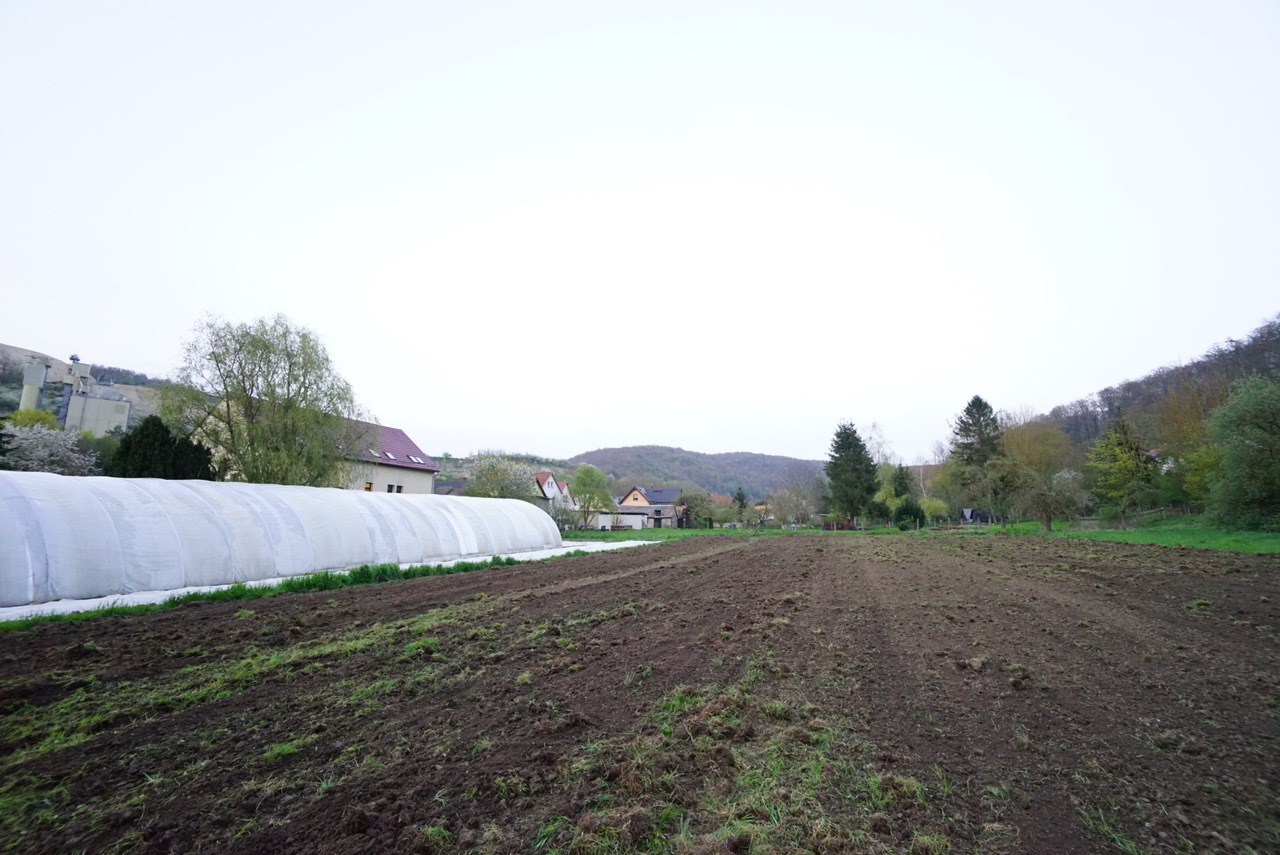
point(388, 461)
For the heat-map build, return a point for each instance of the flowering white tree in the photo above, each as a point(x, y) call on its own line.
point(39, 449)
point(502, 478)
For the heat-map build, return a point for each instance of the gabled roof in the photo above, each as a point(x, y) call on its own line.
point(661, 495)
point(655, 495)
point(546, 484)
point(388, 446)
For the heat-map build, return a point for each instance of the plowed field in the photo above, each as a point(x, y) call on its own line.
point(790, 694)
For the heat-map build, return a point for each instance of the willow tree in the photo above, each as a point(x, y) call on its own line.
point(265, 397)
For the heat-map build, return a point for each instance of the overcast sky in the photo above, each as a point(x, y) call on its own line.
point(553, 227)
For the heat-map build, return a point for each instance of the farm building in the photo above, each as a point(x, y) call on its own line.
point(389, 461)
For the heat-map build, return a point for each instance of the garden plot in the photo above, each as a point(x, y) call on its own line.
point(792, 694)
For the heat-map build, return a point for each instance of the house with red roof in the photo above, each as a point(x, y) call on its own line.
point(388, 461)
point(552, 493)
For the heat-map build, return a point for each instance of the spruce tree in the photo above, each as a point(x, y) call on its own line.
point(144, 452)
point(975, 439)
point(192, 461)
point(740, 500)
point(851, 472)
point(901, 482)
point(152, 451)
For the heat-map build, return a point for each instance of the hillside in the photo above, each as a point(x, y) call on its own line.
point(757, 474)
point(1198, 385)
point(138, 389)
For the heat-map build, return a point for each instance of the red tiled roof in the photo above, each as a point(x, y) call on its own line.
point(392, 447)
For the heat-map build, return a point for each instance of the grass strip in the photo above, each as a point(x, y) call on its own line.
point(323, 581)
point(1173, 532)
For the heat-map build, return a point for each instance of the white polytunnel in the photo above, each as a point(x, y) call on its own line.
point(78, 538)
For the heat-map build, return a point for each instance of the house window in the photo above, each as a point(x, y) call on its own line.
point(390, 456)
point(368, 486)
point(399, 488)
point(390, 489)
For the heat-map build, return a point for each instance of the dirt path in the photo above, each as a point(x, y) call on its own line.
point(820, 694)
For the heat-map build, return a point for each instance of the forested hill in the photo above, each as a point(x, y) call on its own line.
point(757, 474)
point(1167, 397)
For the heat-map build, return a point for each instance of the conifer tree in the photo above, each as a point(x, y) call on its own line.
point(851, 472)
point(975, 439)
point(901, 482)
point(152, 451)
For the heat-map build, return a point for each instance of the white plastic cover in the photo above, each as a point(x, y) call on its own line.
point(75, 538)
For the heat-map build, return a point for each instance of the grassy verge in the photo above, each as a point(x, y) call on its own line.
point(665, 534)
point(326, 581)
point(1176, 531)
point(1187, 531)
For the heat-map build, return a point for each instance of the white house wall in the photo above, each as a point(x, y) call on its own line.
point(78, 538)
point(636, 521)
point(417, 481)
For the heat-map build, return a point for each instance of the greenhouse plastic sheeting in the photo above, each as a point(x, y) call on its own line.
point(76, 538)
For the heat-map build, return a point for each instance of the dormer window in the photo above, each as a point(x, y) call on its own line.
point(390, 456)
point(375, 454)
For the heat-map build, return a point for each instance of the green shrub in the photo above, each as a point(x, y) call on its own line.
point(909, 514)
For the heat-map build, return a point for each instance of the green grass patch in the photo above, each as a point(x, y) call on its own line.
point(324, 581)
point(38, 730)
point(723, 768)
point(1187, 532)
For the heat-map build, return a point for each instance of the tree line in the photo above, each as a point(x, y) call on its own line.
point(262, 402)
point(1009, 465)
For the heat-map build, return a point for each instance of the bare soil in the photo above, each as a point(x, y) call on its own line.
point(788, 694)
